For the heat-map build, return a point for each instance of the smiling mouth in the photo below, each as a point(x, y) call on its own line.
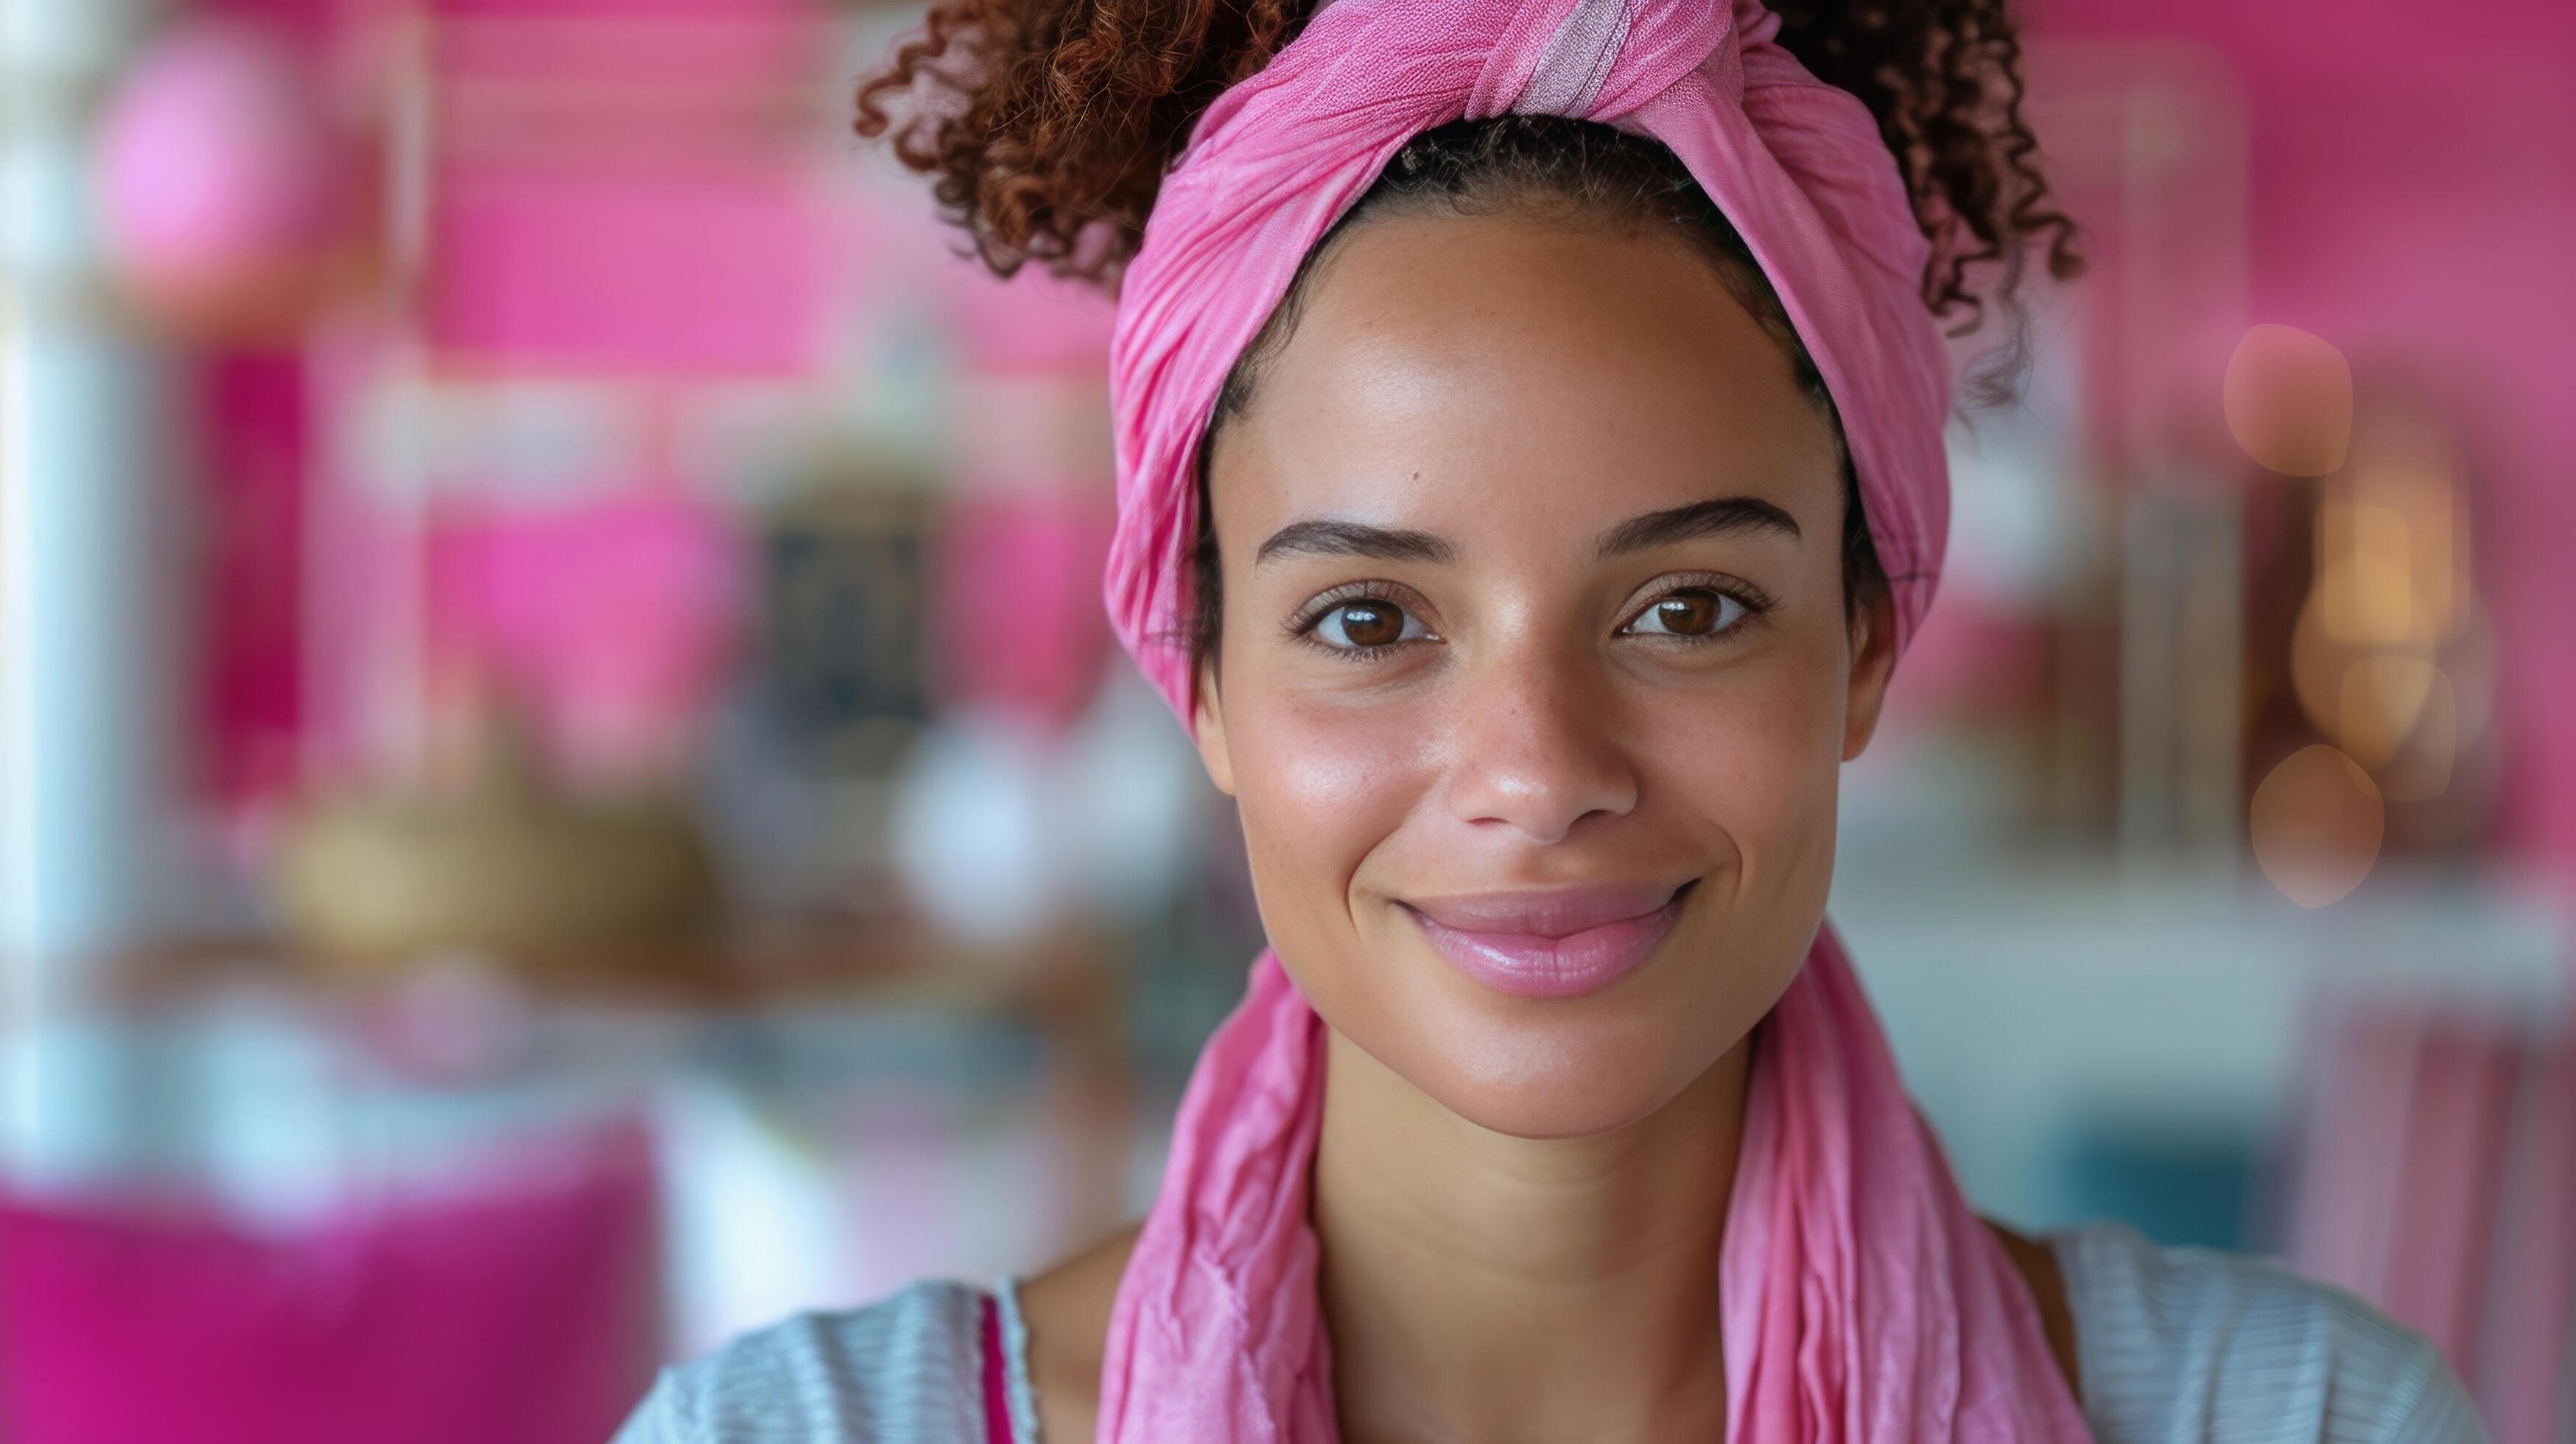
point(1559, 944)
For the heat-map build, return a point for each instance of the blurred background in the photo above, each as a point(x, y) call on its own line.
point(565, 792)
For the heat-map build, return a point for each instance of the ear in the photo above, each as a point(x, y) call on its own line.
point(1873, 654)
point(1207, 729)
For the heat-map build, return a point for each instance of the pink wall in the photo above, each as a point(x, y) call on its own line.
point(2413, 181)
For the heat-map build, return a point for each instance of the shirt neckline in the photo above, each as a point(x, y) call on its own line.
point(1021, 1390)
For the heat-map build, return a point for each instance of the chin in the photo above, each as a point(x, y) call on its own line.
point(1520, 1116)
point(1549, 1071)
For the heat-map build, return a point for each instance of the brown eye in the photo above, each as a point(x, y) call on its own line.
point(1367, 622)
point(1691, 612)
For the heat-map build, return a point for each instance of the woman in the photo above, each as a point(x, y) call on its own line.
point(1530, 469)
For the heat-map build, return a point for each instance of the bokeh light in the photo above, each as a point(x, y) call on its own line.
point(2316, 823)
point(2288, 397)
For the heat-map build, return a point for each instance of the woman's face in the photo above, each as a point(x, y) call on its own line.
point(1535, 673)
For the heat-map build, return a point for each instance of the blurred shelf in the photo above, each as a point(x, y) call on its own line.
point(887, 960)
point(2040, 1004)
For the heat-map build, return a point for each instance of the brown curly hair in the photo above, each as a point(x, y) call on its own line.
point(1046, 125)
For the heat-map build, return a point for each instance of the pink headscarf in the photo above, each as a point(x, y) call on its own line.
point(1862, 1300)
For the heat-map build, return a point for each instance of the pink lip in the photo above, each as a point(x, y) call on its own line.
point(1558, 944)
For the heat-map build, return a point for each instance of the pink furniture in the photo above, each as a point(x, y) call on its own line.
point(524, 1314)
point(2436, 1176)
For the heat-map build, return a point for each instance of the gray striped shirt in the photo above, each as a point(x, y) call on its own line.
point(2174, 1345)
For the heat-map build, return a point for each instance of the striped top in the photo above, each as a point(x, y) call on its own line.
point(2174, 1346)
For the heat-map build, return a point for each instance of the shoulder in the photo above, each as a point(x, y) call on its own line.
point(903, 1369)
point(2190, 1344)
point(1067, 1311)
point(2037, 1265)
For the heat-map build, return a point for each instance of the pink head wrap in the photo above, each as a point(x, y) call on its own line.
point(1862, 1299)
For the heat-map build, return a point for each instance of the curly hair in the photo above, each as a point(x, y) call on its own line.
point(1054, 121)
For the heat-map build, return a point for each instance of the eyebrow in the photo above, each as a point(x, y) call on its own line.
point(1720, 516)
point(1329, 538)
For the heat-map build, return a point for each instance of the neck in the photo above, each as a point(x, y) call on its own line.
point(1482, 1286)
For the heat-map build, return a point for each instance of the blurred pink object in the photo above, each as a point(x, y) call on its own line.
point(254, 413)
point(625, 188)
point(1033, 322)
point(525, 1315)
point(2530, 1325)
point(613, 619)
point(2435, 1175)
point(218, 165)
point(630, 12)
point(717, 270)
point(1016, 624)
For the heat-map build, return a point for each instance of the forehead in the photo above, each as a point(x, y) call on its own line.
point(1497, 369)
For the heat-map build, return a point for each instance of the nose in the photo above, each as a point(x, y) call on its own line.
point(1536, 746)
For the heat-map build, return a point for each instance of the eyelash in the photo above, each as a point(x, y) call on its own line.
point(1302, 626)
point(1755, 602)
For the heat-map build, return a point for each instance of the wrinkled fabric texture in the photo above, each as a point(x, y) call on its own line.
point(1863, 1300)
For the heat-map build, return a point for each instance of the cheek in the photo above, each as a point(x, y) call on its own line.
point(1319, 787)
point(1756, 759)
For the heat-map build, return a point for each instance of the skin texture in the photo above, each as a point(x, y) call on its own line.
point(1515, 1195)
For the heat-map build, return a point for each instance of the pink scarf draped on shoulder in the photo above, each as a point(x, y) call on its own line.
point(1862, 1300)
